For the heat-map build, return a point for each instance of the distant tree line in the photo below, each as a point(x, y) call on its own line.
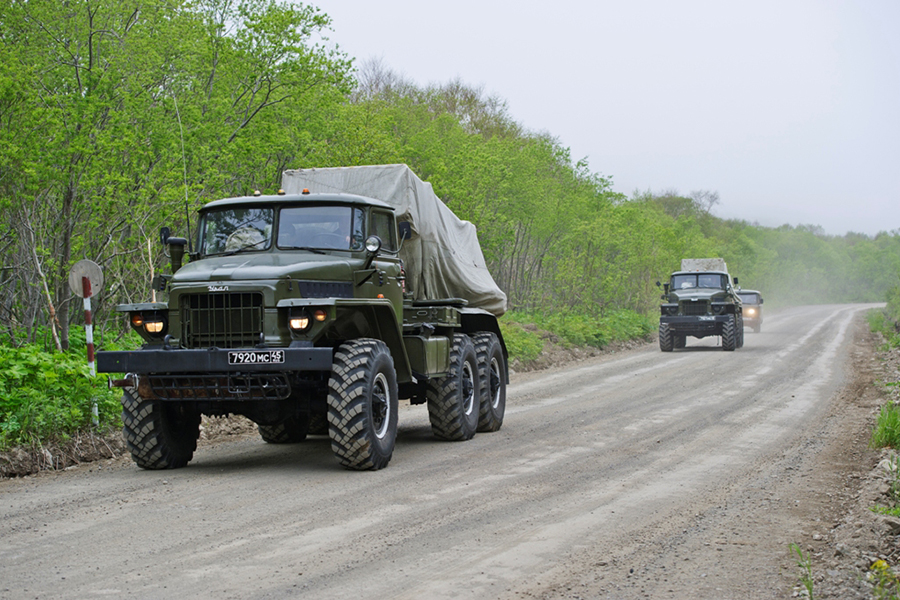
point(117, 118)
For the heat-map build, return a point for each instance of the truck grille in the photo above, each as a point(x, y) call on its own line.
point(696, 308)
point(228, 320)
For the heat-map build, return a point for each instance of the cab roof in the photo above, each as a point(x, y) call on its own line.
point(700, 273)
point(297, 199)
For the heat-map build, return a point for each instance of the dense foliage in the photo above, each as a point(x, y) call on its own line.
point(118, 118)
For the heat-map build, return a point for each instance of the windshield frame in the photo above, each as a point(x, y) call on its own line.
point(696, 281)
point(253, 225)
point(319, 227)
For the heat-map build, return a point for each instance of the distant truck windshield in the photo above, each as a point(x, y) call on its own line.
point(700, 280)
point(746, 298)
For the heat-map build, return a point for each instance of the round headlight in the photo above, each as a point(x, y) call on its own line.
point(373, 244)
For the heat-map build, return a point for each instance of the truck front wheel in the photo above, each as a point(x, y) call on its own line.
point(666, 342)
point(160, 435)
point(453, 401)
point(729, 335)
point(492, 381)
point(362, 405)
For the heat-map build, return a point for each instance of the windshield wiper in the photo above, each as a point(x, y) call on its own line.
point(307, 248)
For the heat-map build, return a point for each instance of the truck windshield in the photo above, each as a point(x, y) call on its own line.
point(325, 227)
point(700, 280)
point(233, 230)
point(749, 298)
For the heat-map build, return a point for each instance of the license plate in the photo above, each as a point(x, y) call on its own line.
point(707, 318)
point(256, 357)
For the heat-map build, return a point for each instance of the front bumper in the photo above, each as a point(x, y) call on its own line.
point(707, 324)
point(212, 360)
point(212, 375)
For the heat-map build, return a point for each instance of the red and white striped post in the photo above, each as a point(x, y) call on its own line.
point(85, 280)
point(89, 335)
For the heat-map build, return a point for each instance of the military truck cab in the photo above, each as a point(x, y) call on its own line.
point(293, 311)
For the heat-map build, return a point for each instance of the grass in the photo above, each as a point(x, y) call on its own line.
point(887, 427)
point(805, 563)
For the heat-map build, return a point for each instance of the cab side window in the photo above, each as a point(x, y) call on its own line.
point(382, 224)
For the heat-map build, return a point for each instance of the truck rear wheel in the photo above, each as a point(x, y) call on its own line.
point(289, 431)
point(362, 405)
point(160, 435)
point(666, 343)
point(492, 381)
point(739, 331)
point(453, 401)
point(729, 335)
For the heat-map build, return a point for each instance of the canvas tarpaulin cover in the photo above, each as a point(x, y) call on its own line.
point(443, 258)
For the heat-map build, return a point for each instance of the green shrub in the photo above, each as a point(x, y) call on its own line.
point(521, 344)
point(47, 395)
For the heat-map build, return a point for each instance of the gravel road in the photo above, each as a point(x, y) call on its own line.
point(639, 474)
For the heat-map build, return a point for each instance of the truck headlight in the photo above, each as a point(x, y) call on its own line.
point(150, 324)
point(154, 327)
point(299, 321)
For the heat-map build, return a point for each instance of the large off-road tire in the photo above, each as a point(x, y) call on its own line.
point(159, 434)
point(739, 330)
point(729, 335)
point(679, 341)
point(453, 401)
point(318, 423)
point(290, 431)
point(362, 405)
point(491, 381)
point(666, 341)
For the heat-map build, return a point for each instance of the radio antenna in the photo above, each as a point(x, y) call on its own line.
point(187, 213)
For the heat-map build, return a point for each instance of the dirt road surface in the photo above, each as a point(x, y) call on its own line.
point(639, 474)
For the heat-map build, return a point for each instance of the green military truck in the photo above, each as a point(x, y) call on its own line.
point(294, 311)
point(700, 301)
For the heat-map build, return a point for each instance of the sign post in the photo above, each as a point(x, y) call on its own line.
point(86, 279)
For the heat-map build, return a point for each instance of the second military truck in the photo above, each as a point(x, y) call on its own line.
point(295, 311)
point(700, 301)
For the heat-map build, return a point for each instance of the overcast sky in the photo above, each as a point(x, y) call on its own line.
point(789, 109)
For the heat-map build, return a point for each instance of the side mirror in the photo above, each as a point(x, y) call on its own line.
point(405, 230)
point(735, 281)
point(164, 233)
point(658, 284)
point(666, 288)
point(761, 300)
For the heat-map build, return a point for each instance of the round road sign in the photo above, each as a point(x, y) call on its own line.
point(89, 269)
